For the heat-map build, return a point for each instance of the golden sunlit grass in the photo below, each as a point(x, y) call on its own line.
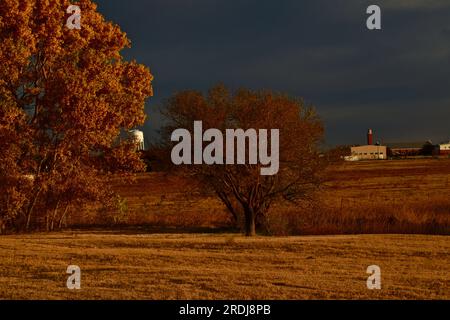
point(411, 196)
point(174, 266)
point(366, 197)
point(406, 196)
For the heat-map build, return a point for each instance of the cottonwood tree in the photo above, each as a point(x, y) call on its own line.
point(246, 193)
point(65, 95)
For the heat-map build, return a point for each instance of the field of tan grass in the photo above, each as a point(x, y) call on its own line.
point(228, 266)
point(163, 259)
point(403, 196)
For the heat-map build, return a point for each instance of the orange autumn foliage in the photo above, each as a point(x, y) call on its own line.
point(65, 96)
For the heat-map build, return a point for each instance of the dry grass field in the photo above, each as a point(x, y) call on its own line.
point(228, 266)
point(171, 241)
point(403, 196)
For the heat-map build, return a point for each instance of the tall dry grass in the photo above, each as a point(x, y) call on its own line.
point(366, 197)
point(358, 217)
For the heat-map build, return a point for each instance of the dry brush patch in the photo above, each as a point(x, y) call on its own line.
point(366, 197)
point(387, 197)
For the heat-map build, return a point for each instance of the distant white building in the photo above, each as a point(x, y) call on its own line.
point(444, 148)
point(369, 151)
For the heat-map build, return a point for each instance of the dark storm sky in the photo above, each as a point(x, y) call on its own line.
point(395, 81)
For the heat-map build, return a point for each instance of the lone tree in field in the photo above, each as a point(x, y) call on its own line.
point(246, 193)
point(65, 95)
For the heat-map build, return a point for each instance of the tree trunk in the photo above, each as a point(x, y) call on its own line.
point(55, 213)
point(250, 225)
point(63, 217)
point(30, 210)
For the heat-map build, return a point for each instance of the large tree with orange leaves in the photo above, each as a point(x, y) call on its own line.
point(65, 96)
point(246, 193)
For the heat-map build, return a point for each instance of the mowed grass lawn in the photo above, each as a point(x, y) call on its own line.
point(212, 266)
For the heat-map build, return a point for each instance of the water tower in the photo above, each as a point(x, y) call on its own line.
point(138, 137)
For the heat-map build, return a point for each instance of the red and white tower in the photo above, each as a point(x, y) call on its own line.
point(370, 137)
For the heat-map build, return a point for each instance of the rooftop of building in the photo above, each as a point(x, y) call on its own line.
point(406, 145)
